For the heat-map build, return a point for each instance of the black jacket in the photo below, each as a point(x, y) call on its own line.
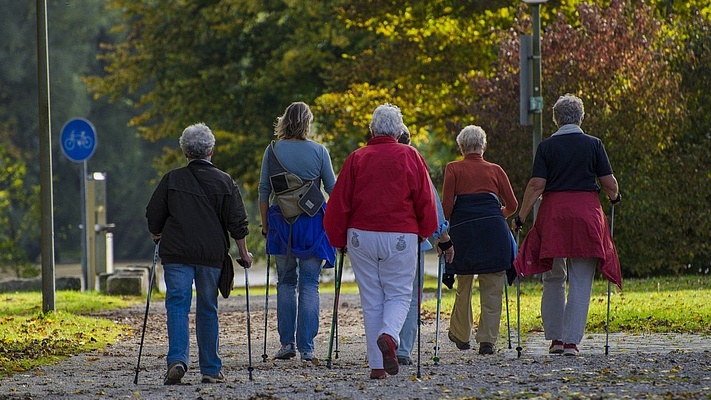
point(189, 214)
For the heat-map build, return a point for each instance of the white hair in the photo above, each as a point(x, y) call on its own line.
point(471, 139)
point(387, 121)
point(197, 141)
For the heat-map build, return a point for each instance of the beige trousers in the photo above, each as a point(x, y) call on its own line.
point(491, 287)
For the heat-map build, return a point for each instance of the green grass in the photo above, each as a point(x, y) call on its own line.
point(30, 338)
point(655, 305)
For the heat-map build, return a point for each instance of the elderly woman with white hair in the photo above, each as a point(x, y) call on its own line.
point(570, 225)
point(191, 212)
point(381, 207)
point(472, 197)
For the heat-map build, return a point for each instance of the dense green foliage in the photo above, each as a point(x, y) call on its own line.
point(642, 69)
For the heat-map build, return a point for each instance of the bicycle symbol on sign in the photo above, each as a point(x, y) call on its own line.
point(82, 140)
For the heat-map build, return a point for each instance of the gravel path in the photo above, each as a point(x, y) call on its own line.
point(638, 366)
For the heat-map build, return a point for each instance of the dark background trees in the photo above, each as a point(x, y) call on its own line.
point(151, 68)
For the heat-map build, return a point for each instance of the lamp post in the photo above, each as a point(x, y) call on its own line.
point(535, 105)
point(535, 101)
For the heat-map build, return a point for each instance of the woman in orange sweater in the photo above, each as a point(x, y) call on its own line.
point(472, 198)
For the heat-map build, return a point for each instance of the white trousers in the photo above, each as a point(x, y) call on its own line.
point(565, 319)
point(384, 264)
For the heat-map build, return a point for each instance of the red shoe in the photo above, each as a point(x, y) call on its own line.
point(569, 349)
point(378, 374)
point(556, 347)
point(387, 346)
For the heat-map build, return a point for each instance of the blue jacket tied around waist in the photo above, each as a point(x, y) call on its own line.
point(483, 243)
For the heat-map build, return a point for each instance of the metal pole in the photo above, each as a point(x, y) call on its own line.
point(536, 106)
point(84, 229)
point(45, 150)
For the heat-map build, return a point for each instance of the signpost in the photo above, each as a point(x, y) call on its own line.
point(78, 140)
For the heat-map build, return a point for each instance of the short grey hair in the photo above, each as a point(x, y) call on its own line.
point(471, 138)
point(197, 141)
point(387, 121)
point(568, 109)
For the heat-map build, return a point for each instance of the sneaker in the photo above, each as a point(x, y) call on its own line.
point(460, 345)
point(404, 360)
point(307, 356)
point(556, 347)
point(387, 346)
point(569, 349)
point(378, 374)
point(286, 352)
point(176, 371)
point(219, 378)
point(486, 348)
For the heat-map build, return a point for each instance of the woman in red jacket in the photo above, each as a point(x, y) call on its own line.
point(382, 205)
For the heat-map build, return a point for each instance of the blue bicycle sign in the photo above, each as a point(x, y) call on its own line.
point(78, 139)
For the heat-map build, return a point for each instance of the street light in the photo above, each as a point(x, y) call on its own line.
point(531, 94)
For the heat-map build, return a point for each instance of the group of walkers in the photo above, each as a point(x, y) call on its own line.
point(384, 212)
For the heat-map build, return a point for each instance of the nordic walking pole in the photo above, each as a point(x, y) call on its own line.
point(249, 318)
point(419, 308)
point(607, 324)
point(334, 320)
point(508, 319)
point(339, 295)
point(145, 317)
point(519, 349)
point(440, 266)
point(266, 312)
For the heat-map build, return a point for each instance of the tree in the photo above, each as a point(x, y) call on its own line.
point(613, 57)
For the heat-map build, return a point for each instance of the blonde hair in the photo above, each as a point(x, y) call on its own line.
point(295, 123)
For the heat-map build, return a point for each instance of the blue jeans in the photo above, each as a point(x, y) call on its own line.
point(302, 324)
point(178, 297)
point(408, 333)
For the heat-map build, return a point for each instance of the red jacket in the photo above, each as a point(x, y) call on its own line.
point(569, 224)
point(383, 187)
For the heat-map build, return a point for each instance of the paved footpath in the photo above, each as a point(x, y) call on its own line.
point(637, 367)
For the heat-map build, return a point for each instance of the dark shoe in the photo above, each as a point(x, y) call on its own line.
point(486, 348)
point(448, 280)
point(176, 371)
point(286, 352)
point(556, 347)
point(460, 345)
point(404, 360)
point(569, 349)
point(219, 378)
point(378, 374)
point(387, 346)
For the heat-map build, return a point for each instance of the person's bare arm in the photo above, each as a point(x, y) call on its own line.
point(609, 185)
point(534, 189)
point(263, 209)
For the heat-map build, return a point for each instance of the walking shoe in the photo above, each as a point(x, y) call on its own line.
point(378, 374)
point(486, 348)
point(219, 378)
point(460, 345)
point(286, 352)
point(404, 360)
point(569, 349)
point(556, 347)
point(175, 373)
point(387, 346)
point(307, 356)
